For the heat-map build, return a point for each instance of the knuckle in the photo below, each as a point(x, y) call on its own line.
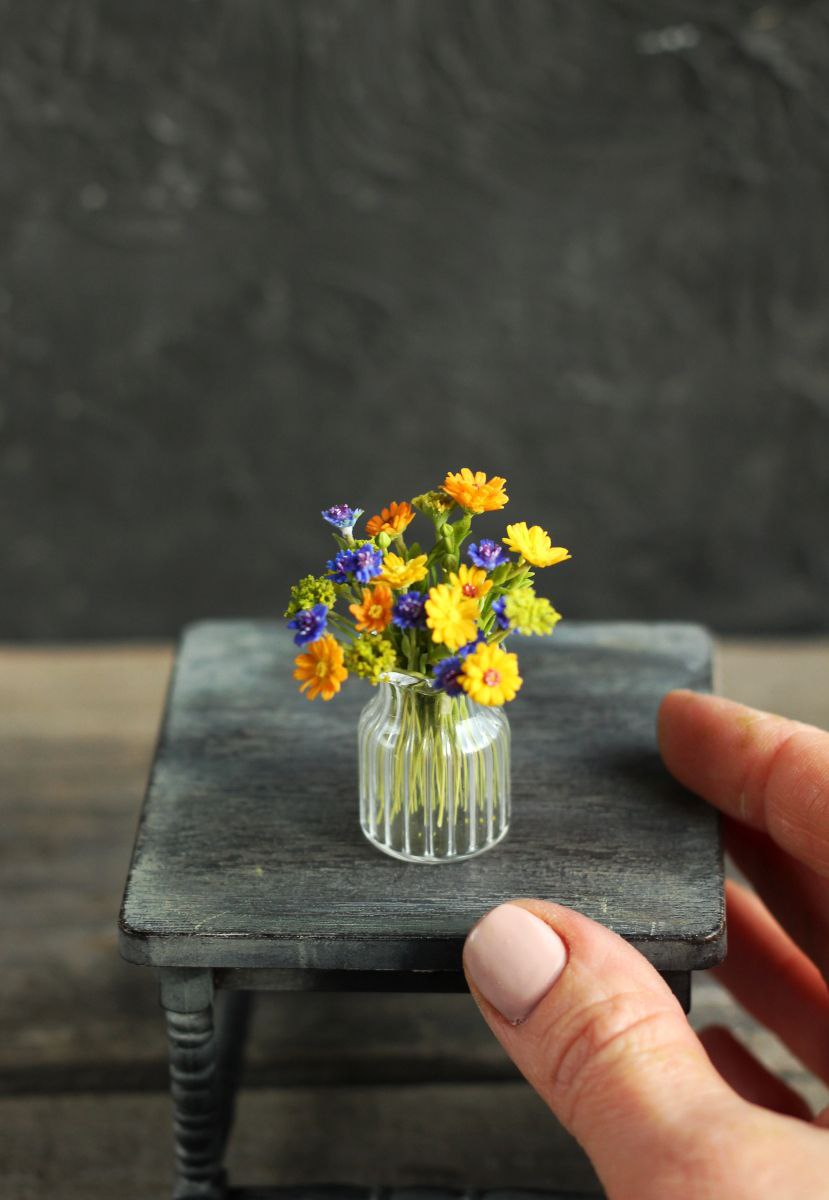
point(587, 1055)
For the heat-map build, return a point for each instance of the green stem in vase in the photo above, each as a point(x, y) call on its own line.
point(438, 764)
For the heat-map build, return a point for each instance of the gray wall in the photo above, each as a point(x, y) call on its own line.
point(257, 256)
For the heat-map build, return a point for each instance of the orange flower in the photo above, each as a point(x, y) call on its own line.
point(374, 614)
point(476, 493)
point(321, 668)
point(472, 581)
point(394, 519)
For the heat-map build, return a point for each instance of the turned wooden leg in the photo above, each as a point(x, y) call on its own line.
point(187, 997)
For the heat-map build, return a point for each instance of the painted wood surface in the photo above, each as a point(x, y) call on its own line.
point(83, 1054)
point(249, 853)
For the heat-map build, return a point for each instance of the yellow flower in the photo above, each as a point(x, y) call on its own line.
point(398, 573)
point(451, 616)
point(534, 545)
point(476, 493)
point(374, 614)
point(472, 581)
point(490, 675)
point(394, 519)
point(321, 668)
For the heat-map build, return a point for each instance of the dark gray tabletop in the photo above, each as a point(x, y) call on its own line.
point(249, 853)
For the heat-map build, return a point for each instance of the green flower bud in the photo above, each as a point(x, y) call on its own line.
point(434, 504)
point(310, 591)
point(370, 657)
point(529, 613)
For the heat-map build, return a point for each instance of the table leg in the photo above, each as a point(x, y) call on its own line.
point(187, 998)
point(680, 984)
point(232, 1016)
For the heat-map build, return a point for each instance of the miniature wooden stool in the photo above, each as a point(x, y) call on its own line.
point(250, 871)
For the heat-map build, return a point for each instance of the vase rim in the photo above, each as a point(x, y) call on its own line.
point(403, 678)
point(424, 688)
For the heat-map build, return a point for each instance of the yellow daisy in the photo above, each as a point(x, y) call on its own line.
point(472, 581)
point(398, 573)
point(373, 615)
point(490, 675)
point(394, 519)
point(476, 493)
point(451, 616)
point(321, 668)
point(534, 545)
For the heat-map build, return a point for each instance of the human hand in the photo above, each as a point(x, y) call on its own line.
point(600, 1036)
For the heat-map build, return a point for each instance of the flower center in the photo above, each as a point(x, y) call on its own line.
point(375, 611)
point(469, 589)
point(491, 677)
point(321, 669)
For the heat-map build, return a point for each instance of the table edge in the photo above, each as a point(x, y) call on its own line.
point(343, 952)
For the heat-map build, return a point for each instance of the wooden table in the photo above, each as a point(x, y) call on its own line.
point(250, 871)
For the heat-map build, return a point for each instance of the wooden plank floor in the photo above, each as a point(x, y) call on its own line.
point(393, 1089)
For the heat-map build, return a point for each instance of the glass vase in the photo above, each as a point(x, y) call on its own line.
point(434, 772)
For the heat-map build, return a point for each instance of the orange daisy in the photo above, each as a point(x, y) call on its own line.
point(472, 581)
point(321, 668)
point(395, 519)
point(476, 493)
point(373, 615)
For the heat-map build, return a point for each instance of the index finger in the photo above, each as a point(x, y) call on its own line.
point(763, 770)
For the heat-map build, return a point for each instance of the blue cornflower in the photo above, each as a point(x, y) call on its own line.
point(487, 554)
point(473, 645)
point(363, 562)
point(367, 562)
point(309, 624)
point(499, 608)
point(342, 517)
point(339, 567)
point(408, 611)
point(447, 676)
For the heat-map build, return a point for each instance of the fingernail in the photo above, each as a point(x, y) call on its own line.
point(513, 958)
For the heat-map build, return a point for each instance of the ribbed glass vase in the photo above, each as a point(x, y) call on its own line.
point(434, 772)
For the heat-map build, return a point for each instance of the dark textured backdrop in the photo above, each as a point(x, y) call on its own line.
point(258, 256)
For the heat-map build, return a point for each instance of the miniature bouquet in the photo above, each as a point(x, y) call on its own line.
point(428, 623)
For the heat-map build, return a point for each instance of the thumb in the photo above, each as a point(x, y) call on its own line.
point(603, 1040)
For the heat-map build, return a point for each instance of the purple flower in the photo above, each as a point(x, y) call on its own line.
point(309, 624)
point(499, 608)
point(473, 645)
point(487, 554)
point(339, 566)
point(408, 610)
point(341, 516)
point(364, 563)
point(447, 676)
point(367, 562)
